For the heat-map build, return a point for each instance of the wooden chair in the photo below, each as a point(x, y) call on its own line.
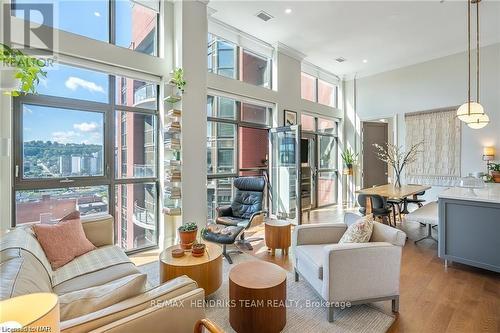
point(208, 325)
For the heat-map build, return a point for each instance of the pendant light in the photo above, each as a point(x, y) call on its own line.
point(472, 113)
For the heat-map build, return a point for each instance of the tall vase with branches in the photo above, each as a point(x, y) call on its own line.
point(397, 157)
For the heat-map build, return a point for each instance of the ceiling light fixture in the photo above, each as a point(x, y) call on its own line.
point(472, 113)
point(288, 11)
point(365, 61)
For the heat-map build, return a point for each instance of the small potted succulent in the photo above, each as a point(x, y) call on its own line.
point(187, 235)
point(495, 171)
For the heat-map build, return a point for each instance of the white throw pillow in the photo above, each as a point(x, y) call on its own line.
point(359, 232)
point(81, 302)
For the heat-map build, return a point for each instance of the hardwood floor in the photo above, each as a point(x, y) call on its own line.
point(433, 299)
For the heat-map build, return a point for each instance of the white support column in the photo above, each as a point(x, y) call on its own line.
point(191, 49)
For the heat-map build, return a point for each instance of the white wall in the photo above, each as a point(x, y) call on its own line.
point(430, 85)
point(191, 45)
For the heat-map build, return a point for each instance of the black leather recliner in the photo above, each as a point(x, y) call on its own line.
point(246, 208)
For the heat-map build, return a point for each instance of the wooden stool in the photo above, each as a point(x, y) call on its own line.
point(258, 291)
point(278, 235)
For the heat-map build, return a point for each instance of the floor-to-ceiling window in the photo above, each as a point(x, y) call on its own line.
point(237, 145)
point(88, 142)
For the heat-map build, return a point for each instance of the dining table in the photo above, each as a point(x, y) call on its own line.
point(389, 191)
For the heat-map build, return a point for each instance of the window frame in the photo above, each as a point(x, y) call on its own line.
point(112, 20)
point(316, 90)
point(108, 178)
point(238, 60)
point(238, 123)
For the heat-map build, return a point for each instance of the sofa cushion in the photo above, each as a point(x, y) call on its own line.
point(312, 257)
point(92, 261)
point(359, 232)
point(97, 278)
point(23, 238)
point(62, 242)
point(22, 274)
point(82, 302)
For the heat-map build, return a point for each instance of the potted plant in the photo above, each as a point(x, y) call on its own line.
point(397, 157)
point(178, 79)
point(24, 72)
point(495, 171)
point(349, 158)
point(187, 235)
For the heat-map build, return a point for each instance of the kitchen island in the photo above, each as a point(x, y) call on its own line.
point(469, 226)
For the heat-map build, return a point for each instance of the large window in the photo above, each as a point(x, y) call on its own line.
point(126, 23)
point(230, 60)
point(75, 150)
point(316, 90)
point(237, 145)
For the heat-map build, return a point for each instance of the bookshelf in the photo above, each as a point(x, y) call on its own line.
point(172, 206)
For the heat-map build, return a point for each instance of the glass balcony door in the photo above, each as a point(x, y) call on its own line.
point(285, 173)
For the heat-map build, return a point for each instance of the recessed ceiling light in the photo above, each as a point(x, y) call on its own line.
point(97, 14)
point(288, 10)
point(340, 59)
point(365, 61)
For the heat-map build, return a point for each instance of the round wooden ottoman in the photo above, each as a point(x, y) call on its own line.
point(278, 235)
point(205, 270)
point(257, 294)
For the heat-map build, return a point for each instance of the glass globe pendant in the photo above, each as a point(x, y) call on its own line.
point(472, 113)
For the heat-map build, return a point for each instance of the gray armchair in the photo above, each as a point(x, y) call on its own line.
point(246, 209)
point(356, 272)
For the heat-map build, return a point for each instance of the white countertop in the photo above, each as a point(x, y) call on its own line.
point(490, 193)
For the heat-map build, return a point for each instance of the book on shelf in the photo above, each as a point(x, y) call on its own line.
point(172, 210)
point(172, 163)
point(174, 113)
point(173, 99)
point(173, 179)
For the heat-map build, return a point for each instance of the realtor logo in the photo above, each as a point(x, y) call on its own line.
point(31, 27)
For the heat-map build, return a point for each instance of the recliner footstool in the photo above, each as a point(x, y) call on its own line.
point(224, 235)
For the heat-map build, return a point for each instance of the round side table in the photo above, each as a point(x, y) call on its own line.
point(278, 235)
point(205, 270)
point(257, 294)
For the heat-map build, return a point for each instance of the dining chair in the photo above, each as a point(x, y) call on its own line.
point(381, 208)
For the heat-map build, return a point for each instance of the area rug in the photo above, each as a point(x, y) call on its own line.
point(303, 312)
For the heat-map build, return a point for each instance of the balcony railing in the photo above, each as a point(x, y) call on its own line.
point(144, 170)
point(145, 94)
point(143, 217)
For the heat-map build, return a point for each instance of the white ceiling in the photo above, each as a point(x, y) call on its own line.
point(388, 34)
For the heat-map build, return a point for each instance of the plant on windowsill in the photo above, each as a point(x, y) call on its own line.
point(24, 72)
point(187, 235)
point(397, 157)
point(349, 158)
point(178, 79)
point(495, 171)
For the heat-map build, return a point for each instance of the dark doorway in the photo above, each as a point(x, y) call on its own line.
point(374, 170)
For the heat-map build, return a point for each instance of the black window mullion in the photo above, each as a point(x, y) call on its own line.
point(112, 21)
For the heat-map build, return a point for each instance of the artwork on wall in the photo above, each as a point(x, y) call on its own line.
point(290, 118)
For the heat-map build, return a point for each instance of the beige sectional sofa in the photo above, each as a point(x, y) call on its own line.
point(100, 291)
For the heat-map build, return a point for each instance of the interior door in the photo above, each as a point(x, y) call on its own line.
point(285, 173)
point(374, 170)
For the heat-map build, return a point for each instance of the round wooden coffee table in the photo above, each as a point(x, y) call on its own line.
point(257, 294)
point(278, 235)
point(205, 270)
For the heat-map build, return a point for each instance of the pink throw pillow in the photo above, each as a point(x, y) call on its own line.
point(62, 242)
